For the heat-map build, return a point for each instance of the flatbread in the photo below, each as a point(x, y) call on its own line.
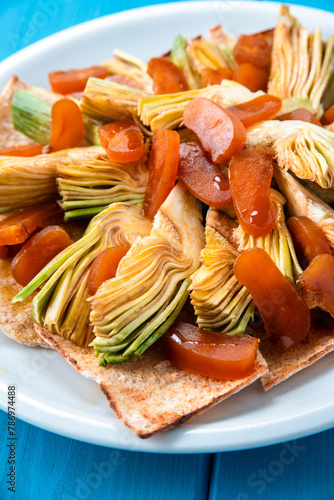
point(10, 137)
point(148, 393)
point(16, 319)
point(282, 366)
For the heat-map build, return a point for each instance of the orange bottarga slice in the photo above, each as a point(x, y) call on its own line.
point(38, 252)
point(285, 315)
point(212, 354)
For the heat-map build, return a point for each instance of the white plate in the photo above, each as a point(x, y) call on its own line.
point(55, 397)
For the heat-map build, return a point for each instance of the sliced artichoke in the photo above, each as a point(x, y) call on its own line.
point(301, 66)
point(204, 53)
point(131, 67)
point(166, 111)
point(305, 149)
point(220, 301)
point(105, 101)
point(61, 305)
point(301, 201)
point(87, 187)
point(31, 110)
point(132, 310)
point(182, 60)
point(28, 181)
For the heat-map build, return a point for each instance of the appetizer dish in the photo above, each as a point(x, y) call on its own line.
point(168, 226)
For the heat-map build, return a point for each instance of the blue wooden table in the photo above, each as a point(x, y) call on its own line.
point(50, 467)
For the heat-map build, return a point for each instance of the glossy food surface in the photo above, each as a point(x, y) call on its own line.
point(318, 278)
point(212, 354)
point(167, 77)
point(163, 165)
point(17, 227)
point(264, 107)
point(202, 177)
point(38, 252)
point(301, 114)
point(220, 132)
point(251, 76)
point(253, 49)
point(123, 141)
point(308, 239)
point(67, 129)
point(25, 150)
point(74, 80)
point(104, 267)
point(285, 315)
point(250, 175)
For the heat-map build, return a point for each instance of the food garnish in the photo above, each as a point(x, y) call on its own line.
point(308, 239)
point(74, 80)
point(220, 132)
point(209, 353)
point(37, 253)
point(250, 175)
point(202, 176)
point(137, 153)
point(284, 313)
point(17, 227)
point(162, 169)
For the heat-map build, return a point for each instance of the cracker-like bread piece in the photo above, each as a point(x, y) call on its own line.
point(282, 366)
point(16, 319)
point(10, 137)
point(148, 393)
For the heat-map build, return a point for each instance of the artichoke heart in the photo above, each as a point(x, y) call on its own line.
point(61, 305)
point(29, 181)
point(301, 65)
point(301, 201)
point(105, 101)
point(206, 54)
point(166, 110)
point(130, 67)
point(134, 309)
point(221, 303)
point(183, 61)
point(305, 149)
point(86, 187)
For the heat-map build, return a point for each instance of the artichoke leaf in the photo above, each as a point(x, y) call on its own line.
point(61, 304)
point(99, 182)
point(29, 181)
point(167, 110)
point(304, 148)
point(301, 67)
point(133, 309)
point(183, 61)
point(106, 101)
point(131, 67)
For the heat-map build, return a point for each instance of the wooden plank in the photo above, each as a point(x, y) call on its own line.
point(300, 469)
point(51, 467)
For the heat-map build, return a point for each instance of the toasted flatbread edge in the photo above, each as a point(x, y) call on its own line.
point(160, 423)
point(283, 366)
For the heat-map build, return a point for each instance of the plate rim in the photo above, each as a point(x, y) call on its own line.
point(33, 49)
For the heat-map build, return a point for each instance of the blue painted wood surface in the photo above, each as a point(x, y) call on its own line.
point(51, 467)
